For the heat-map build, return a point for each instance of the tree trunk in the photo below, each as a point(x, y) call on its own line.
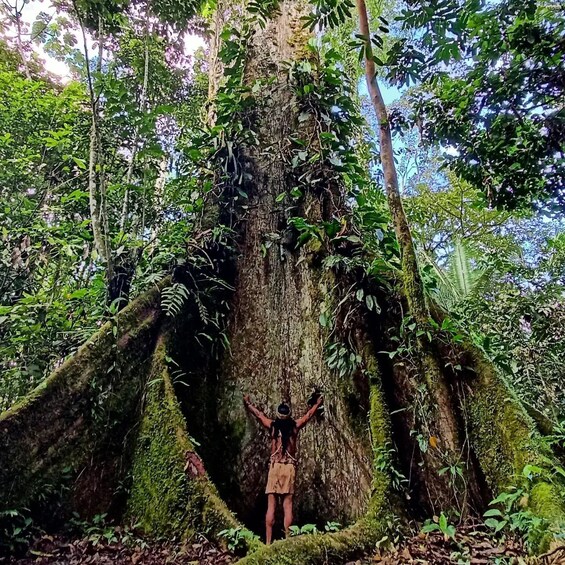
point(413, 282)
point(277, 344)
point(96, 176)
point(421, 382)
point(107, 419)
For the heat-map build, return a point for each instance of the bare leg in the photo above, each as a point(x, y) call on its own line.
point(287, 507)
point(270, 517)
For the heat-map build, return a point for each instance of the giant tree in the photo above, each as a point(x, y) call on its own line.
point(282, 259)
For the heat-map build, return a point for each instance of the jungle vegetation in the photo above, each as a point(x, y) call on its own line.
point(363, 197)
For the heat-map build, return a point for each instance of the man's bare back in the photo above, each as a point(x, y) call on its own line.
point(277, 444)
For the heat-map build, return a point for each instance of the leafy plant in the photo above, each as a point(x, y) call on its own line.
point(96, 530)
point(510, 510)
point(440, 524)
point(16, 530)
point(312, 529)
point(99, 531)
point(514, 515)
point(455, 472)
point(385, 457)
point(341, 359)
point(332, 527)
point(306, 529)
point(173, 298)
point(238, 538)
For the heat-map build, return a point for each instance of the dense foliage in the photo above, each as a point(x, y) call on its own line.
point(491, 76)
point(55, 283)
point(133, 165)
point(105, 175)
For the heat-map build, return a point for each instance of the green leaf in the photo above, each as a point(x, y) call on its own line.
point(431, 527)
point(492, 512)
point(493, 523)
point(442, 522)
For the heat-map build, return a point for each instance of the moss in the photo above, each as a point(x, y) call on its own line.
point(412, 280)
point(544, 424)
point(166, 499)
point(505, 440)
point(501, 431)
point(379, 425)
point(546, 502)
point(80, 414)
point(380, 438)
point(298, 40)
point(313, 246)
point(319, 549)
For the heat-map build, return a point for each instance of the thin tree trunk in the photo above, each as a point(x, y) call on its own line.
point(142, 104)
point(21, 51)
point(413, 282)
point(96, 177)
point(101, 158)
point(436, 414)
point(93, 174)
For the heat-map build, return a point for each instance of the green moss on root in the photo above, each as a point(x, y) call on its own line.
point(165, 499)
point(320, 548)
point(379, 425)
point(505, 440)
point(81, 413)
point(545, 501)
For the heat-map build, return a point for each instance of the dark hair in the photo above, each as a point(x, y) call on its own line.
point(283, 409)
point(284, 429)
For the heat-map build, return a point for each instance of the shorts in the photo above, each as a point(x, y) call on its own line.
point(281, 478)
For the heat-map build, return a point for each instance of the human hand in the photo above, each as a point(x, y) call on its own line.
point(320, 400)
point(246, 399)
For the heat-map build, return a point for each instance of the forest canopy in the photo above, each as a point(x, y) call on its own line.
point(200, 200)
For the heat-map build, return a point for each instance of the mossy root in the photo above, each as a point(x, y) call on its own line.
point(75, 423)
point(171, 494)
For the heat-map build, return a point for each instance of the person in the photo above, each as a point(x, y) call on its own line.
point(283, 432)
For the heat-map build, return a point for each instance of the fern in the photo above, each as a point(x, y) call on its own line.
point(202, 310)
point(460, 271)
point(469, 279)
point(173, 298)
point(155, 278)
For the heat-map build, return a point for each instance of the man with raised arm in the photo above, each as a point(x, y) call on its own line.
point(283, 433)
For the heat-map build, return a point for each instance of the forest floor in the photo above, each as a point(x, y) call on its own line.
point(471, 546)
point(55, 550)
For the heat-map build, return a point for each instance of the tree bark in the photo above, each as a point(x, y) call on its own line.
point(96, 176)
point(277, 345)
